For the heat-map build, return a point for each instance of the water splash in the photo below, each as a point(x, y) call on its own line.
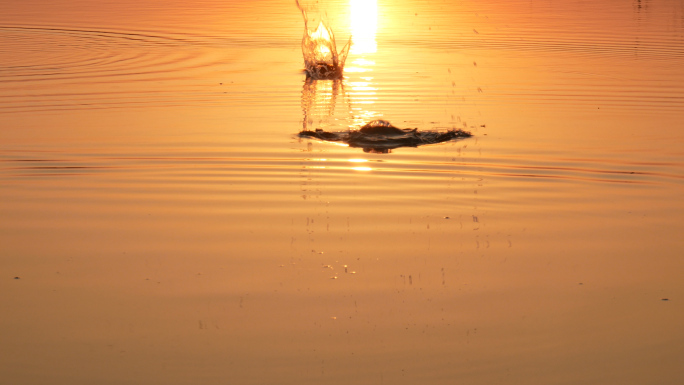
point(380, 136)
point(321, 58)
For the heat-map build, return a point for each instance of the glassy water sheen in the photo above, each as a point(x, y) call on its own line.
point(161, 221)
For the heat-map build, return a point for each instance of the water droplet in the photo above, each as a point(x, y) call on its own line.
point(321, 58)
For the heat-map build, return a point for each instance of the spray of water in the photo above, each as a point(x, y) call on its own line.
point(321, 58)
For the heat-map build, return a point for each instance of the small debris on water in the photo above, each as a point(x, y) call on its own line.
point(447, 218)
point(664, 299)
point(17, 278)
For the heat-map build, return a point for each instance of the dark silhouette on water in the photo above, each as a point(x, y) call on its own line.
point(380, 136)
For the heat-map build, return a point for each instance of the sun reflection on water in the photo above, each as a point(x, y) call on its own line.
point(364, 25)
point(337, 164)
point(362, 90)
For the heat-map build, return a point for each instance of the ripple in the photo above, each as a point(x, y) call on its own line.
point(335, 162)
point(583, 46)
point(58, 68)
point(62, 54)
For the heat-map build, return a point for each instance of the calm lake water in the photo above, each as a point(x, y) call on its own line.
point(161, 221)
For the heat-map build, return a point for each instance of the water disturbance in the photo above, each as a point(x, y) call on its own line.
point(321, 59)
point(380, 136)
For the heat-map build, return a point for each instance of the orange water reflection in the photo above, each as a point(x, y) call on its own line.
point(165, 226)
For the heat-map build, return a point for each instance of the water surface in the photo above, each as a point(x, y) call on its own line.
point(161, 221)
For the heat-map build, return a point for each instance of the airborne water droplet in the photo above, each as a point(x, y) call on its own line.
point(321, 58)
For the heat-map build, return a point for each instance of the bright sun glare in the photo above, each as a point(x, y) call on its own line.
point(364, 25)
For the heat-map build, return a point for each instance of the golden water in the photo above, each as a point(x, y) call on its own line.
point(165, 223)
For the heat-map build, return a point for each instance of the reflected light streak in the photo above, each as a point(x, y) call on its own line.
point(360, 65)
point(315, 166)
point(364, 62)
point(356, 69)
point(364, 25)
point(363, 86)
point(363, 93)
